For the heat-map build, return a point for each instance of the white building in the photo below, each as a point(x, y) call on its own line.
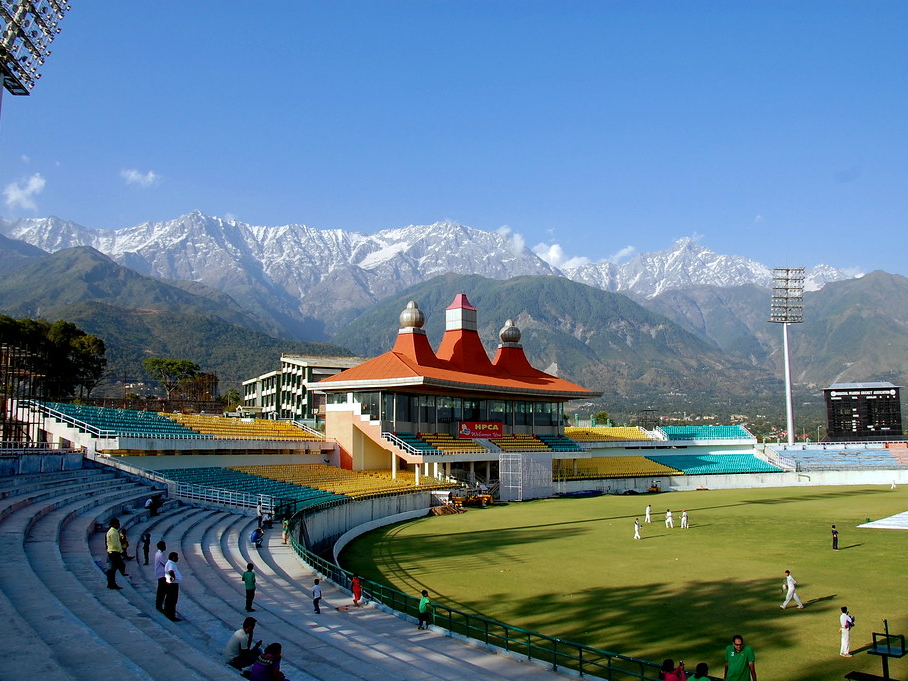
point(282, 394)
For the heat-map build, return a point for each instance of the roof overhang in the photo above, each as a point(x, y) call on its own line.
point(427, 383)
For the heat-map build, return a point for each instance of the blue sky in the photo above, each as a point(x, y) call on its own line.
point(594, 130)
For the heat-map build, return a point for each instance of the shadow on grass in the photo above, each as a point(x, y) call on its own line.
point(820, 598)
point(658, 620)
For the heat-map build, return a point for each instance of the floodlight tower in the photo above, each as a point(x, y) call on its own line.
point(787, 308)
point(27, 27)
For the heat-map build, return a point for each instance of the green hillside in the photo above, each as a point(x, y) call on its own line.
point(139, 317)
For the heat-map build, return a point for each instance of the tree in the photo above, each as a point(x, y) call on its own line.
point(57, 358)
point(170, 371)
point(90, 362)
point(231, 398)
point(601, 418)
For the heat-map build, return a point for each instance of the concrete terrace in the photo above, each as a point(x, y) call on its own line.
point(63, 623)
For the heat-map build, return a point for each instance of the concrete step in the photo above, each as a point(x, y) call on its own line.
point(77, 648)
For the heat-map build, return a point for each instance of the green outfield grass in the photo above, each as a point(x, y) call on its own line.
point(571, 568)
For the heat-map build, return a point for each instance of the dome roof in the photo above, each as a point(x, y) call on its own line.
point(412, 317)
point(509, 332)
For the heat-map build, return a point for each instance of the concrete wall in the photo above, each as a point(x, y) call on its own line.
point(323, 528)
point(23, 464)
point(681, 483)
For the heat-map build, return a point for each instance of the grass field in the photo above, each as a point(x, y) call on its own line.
point(571, 568)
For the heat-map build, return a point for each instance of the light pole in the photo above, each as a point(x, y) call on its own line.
point(787, 308)
point(27, 27)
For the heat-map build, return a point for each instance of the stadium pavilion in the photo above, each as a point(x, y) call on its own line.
point(448, 411)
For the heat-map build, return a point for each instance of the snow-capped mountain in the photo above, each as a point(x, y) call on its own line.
point(295, 274)
point(687, 264)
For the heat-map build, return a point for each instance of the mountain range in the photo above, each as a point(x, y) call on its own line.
point(679, 326)
point(307, 283)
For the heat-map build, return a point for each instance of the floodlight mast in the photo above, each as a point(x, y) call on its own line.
point(27, 27)
point(787, 308)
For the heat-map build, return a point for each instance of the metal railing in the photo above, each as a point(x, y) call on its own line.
point(190, 491)
point(37, 448)
point(407, 447)
point(106, 433)
point(555, 652)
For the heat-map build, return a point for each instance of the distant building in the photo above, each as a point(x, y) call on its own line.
point(282, 394)
point(863, 411)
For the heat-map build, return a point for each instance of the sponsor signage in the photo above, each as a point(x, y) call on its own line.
point(477, 429)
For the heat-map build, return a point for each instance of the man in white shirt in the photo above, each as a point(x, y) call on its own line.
point(789, 585)
point(173, 578)
point(846, 621)
point(648, 517)
point(160, 560)
point(240, 653)
point(668, 519)
point(685, 521)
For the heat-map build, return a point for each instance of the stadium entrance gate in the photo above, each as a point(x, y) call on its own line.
point(525, 475)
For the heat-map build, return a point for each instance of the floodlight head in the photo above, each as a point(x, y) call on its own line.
point(787, 295)
point(27, 27)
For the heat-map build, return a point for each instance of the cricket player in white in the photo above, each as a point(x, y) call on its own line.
point(789, 586)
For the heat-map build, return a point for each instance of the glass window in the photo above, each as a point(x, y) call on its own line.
point(403, 404)
point(427, 410)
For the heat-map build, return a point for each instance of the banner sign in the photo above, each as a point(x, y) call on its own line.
point(479, 429)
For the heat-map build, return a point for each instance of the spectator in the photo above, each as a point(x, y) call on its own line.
point(267, 522)
point(160, 560)
point(740, 661)
point(124, 542)
point(173, 578)
point(146, 545)
point(240, 653)
point(267, 666)
point(114, 554)
point(153, 503)
point(249, 583)
point(316, 597)
point(701, 673)
point(285, 530)
point(257, 537)
point(669, 672)
point(356, 586)
point(425, 610)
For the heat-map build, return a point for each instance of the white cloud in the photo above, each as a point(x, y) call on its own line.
point(22, 194)
point(555, 256)
point(515, 241)
point(623, 254)
point(133, 176)
point(26, 159)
